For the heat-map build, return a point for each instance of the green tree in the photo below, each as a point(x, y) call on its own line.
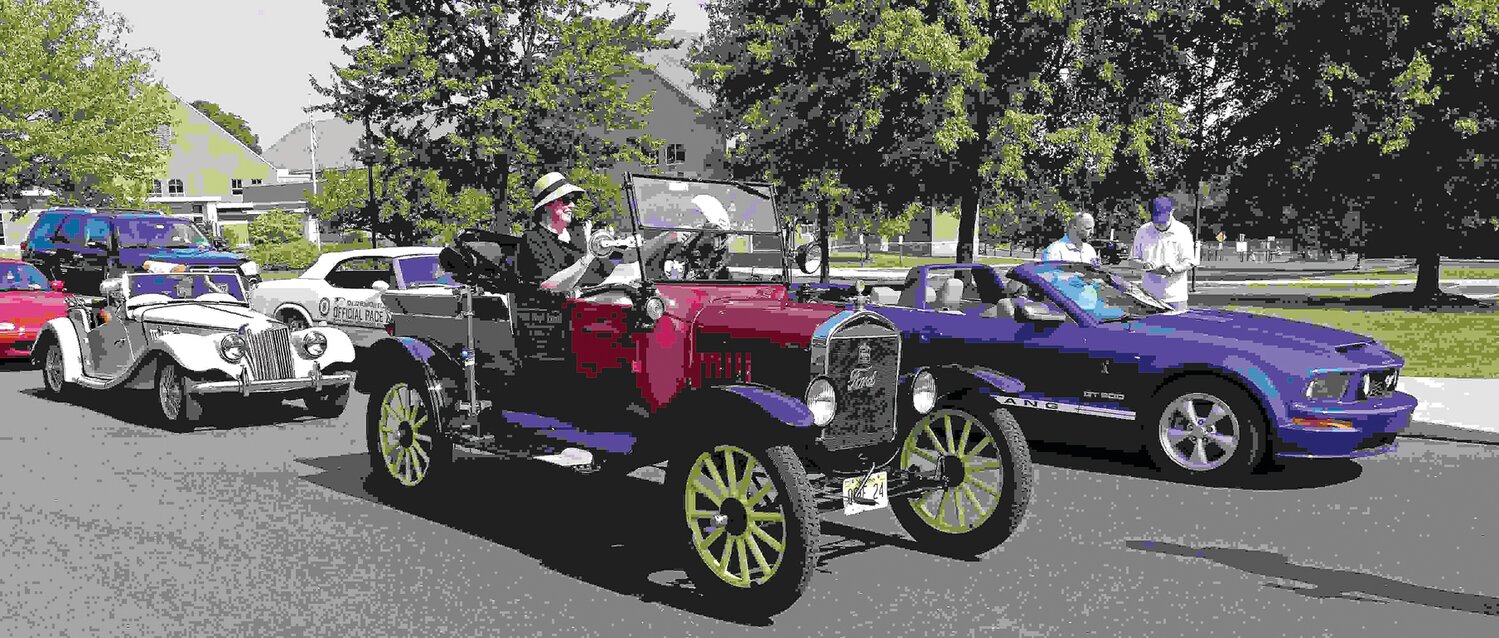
point(236, 125)
point(275, 226)
point(80, 114)
point(412, 206)
point(452, 85)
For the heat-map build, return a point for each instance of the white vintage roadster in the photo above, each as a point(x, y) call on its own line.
point(190, 334)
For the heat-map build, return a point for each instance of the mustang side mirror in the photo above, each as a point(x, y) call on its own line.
point(809, 258)
point(1037, 312)
point(219, 243)
point(58, 286)
point(98, 244)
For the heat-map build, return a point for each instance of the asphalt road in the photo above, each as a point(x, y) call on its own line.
point(262, 526)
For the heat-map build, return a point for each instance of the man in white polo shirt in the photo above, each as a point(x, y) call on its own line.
point(1163, 248)
point(1074, 245)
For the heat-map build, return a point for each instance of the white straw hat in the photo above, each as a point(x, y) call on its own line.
point(551, 187)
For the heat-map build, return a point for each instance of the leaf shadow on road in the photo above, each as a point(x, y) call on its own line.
point(610, 531)
point(1287, 474)
point(138, 407)
point(1322, 582)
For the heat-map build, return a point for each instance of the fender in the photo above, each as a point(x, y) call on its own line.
point(1246, 374)
point(294, 307)
point(340, 347)
point(412, 355)
point(63, 334)
point(695, 412)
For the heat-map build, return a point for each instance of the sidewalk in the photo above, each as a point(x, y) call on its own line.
point(1456, 409)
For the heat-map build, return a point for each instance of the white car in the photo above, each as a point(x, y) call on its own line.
point(186, 335)
point(343, 289)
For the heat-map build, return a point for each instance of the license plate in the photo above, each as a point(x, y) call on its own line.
point(874, 489)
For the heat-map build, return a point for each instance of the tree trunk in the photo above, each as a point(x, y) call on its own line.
point(1428, 273)
point(968, 217)
point(822, 238)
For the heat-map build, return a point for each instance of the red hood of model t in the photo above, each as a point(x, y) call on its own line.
point(32, 307)
point(760, 312)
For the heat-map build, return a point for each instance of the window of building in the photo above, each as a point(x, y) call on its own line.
point(237, 186)
point(155, 187)
point(164, 135)
point(676, 155)
point(174, 187)
point(253, 182)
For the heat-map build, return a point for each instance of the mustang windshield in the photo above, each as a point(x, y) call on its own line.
point(727, 231)
point(423, 270)
point(181, 286)
point(21, 277)
point(165, 232)
point(1102, 295)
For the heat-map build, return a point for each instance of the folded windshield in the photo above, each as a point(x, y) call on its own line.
point(186, 285)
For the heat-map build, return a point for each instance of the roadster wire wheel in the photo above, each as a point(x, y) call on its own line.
point(984, 470)
point(52, 371)
point(178, 406)
point(405, 445)
point(1206, 427)
point(753, 529)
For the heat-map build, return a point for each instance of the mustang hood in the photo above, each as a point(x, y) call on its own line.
point(203, 315)
point(136, 258)
point(28, 307)
point(1253, 330)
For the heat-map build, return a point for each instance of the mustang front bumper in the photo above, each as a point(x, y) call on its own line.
point(1375, 423)
point(316, 380)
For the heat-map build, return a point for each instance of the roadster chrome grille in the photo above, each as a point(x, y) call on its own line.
point(270, 354)
point(864, 372)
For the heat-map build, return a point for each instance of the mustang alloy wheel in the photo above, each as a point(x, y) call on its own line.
point(405, 445)
point(752, 527)
point(985, 468)
point(1205, 427)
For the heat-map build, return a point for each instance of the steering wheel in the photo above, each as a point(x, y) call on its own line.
point(694, 258)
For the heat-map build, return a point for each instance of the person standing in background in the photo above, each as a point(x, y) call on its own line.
point(1074, 245)
point(1163, 248)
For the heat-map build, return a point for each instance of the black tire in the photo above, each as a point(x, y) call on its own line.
point(1000, 443)
point(178, 407)
point(52, 372)
point(1242, 423)
point(327, 404)
point(404, 459)
point(799, 533)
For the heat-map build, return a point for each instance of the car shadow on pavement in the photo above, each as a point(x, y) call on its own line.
point(608, 531)
point(1322, 582)
point(138, 407)
point(1284, 474)
point(19, 366)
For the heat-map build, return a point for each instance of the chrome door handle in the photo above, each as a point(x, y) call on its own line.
point(119, 341)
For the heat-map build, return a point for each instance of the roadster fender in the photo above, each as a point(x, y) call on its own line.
point(60, 333)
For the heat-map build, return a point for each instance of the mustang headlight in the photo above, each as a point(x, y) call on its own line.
point(249, 268)
point(1329, 386)
point(821, 400)
point(314, 344)
point(923, 392)
point(232, 347)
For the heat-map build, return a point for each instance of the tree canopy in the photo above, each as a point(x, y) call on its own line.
point(80, 113)
point(236, 125)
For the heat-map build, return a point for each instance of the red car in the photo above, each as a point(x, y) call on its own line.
point(27, 302)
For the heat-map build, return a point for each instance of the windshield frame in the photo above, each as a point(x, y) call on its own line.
point(164, 219)
point(1029, 273)
point(127, 291)
point(637, 227)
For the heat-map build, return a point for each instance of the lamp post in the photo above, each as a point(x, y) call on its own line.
point(370, 195)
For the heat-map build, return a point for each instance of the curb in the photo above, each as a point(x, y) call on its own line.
point(1439, 432)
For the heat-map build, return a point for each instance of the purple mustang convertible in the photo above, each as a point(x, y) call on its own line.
point(1207, 392)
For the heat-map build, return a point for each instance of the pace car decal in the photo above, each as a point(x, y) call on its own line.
point(1058, 406)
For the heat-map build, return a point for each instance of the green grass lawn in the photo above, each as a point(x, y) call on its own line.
point(1434, 344)
point(1447, 273)
point(882, 260)
point(1312, 283)
point(280, 274)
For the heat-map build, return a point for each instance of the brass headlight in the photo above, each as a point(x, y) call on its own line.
point(923, 392)
point(822, 401)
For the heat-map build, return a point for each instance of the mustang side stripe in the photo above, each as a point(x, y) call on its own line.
point(1058, 406)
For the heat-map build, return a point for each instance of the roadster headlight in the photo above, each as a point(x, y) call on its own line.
point(821, 400)
point(314, 344)
point(1329, 386)
point(232, 347)
point(923, 392)
point(249, 268)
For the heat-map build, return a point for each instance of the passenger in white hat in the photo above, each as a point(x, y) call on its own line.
point(555, 253)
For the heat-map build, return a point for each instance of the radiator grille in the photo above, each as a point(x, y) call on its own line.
point(863, 371)
point(270, 354)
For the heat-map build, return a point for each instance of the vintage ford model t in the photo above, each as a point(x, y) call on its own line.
point(767, 412)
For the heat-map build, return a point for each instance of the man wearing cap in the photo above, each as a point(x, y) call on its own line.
point(1074, 245)
point(1164, 249)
